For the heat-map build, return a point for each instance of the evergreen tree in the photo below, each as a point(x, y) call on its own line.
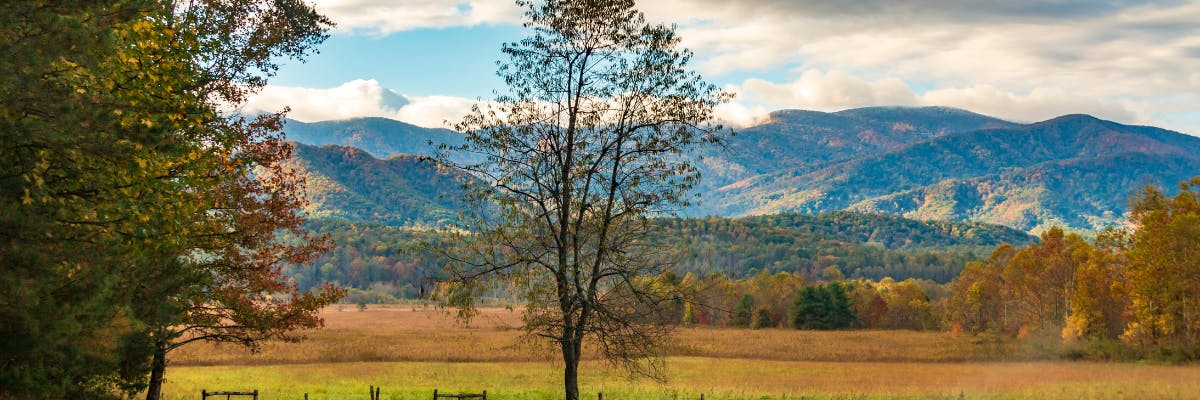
point(743, 312)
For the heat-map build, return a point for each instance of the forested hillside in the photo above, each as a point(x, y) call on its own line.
point(1072, 171)
point(856, 245)
point(802, 139)
point(381, 137)
point(388, 260)
point(400, 190)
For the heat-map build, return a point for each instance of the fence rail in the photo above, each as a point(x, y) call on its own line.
point(459, 396)
point(205, 394)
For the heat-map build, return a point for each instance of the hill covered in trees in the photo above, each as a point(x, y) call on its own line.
point(381, 137)
point(855, 245)
point(1073, 171)
point(400, 190)
point(389, 260)
point(804, 140)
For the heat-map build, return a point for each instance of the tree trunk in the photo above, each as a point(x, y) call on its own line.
point(571, 368)
point(158, 368)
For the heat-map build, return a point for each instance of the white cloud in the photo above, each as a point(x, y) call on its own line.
point(359, 98)
point(387, 16)
point(835, 90)
point(1038, 105)
point(435, 111)
point(756, 98)
point(738, 115)
point(1019, 59)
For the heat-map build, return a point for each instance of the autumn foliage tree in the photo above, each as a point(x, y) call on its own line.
point(1039, 279)
point(1163, 275)
point(1100, 299)
point(1139, 284)
point(978, 301)
point(137, 210)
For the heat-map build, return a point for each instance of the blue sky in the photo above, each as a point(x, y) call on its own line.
point(455, 61)
point(1138, 62)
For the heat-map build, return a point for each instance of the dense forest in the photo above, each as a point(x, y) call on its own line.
point(858, 245)
point(1132, 290)
point(389, 263)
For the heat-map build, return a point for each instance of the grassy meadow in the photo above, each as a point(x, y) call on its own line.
point(411, 350)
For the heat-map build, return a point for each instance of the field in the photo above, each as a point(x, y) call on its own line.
point(411, 350)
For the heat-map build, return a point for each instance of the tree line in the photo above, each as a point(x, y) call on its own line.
point(1133, 289)
point(381, 263)
point(786, 300)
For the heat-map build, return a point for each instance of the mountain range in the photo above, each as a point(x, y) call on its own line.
point(933, 163)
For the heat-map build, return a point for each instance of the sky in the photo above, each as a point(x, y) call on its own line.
point(1136, 62)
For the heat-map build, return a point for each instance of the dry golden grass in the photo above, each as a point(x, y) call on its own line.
point(384, 333)
point(415, 333)
point(410, 351)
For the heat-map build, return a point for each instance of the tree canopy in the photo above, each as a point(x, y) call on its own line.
point(133, 201)
point(589, 141)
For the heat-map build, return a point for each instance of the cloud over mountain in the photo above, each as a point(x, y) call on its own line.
point(1124, 60)
point(1128, 61)
point(835, 90)
point(359, 98)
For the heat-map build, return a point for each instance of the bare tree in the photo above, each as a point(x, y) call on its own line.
point(591, 138)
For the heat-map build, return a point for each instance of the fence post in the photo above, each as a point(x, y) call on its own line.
point(484, 395)
point(306, 396)
point(203, 394)
point(434, 394)
point(599, 395)
point(255, 394)
point(377, 393)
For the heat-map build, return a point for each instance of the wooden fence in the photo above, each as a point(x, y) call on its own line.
point(205, 394)
point(460, 396)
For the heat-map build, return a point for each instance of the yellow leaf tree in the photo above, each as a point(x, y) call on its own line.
point(1164, 269)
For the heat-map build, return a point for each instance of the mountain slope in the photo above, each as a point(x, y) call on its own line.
point(1082, 193)
point(381, 137)
point(1069, 170)
point(800, 139)
point(347, 182)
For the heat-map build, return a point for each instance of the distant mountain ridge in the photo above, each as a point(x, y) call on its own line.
point(931, 163)
point(1074, 171)
point(401, 190)
point(381, 137)
point(802, 140)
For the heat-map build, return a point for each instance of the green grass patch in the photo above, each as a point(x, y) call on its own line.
point(716, 378)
